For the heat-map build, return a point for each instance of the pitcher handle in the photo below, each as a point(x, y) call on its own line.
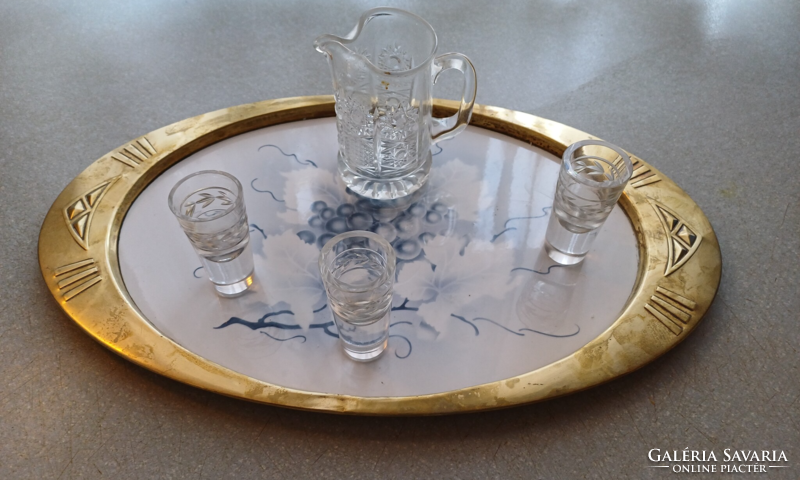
point(448, 127)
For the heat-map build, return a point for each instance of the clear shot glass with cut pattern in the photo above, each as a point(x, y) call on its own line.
point(209, 206)
point(592, 176)
point(357, 269)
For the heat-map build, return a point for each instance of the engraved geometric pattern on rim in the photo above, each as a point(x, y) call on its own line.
point(135, 152)
point(642, 175)
point(670, 309)
point(79, 213)
point(84, 273)
point(682, 240)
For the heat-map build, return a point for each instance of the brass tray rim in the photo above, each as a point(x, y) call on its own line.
point(645, 330)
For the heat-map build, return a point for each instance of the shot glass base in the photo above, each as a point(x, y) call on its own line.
point(234, 289)
point(365, 355)
point(562, 258)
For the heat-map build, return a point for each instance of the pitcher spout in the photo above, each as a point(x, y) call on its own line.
point(330, 45)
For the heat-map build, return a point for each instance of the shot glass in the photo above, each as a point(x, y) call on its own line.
point(357, 269)
point(209, 206)
point(592, 176)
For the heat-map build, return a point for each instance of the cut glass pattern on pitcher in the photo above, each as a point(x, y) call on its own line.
point(380, 140)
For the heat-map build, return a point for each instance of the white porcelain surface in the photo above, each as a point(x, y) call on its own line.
point(493, 307)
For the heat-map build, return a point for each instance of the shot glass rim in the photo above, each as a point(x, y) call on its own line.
point(567, 164)
point(237, 203)
point(391, 260)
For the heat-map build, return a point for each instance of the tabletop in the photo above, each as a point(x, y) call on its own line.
point(706, 91)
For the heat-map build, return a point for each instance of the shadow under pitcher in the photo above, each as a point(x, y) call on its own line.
point(383, 75)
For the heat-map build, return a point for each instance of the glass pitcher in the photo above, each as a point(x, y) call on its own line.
point(383, 75)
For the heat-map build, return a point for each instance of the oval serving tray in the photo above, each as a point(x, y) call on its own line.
point(481, 317)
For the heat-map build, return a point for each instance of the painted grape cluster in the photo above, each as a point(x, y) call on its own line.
point(407, 229)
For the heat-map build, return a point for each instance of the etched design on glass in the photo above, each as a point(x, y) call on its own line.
point(381, 139)
point(77, 277)
point(364, 52)
point(682, 240)
point(671, 309)
point(208, 204)
point(206, 198)
point(592, 169)
point(79, 212)
point(135, 152)
point(642, 175)
point(394, 58)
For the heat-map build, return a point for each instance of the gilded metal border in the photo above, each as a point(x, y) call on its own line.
point(679, 267)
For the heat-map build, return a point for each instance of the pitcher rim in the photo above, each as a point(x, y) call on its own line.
point(354, 34)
